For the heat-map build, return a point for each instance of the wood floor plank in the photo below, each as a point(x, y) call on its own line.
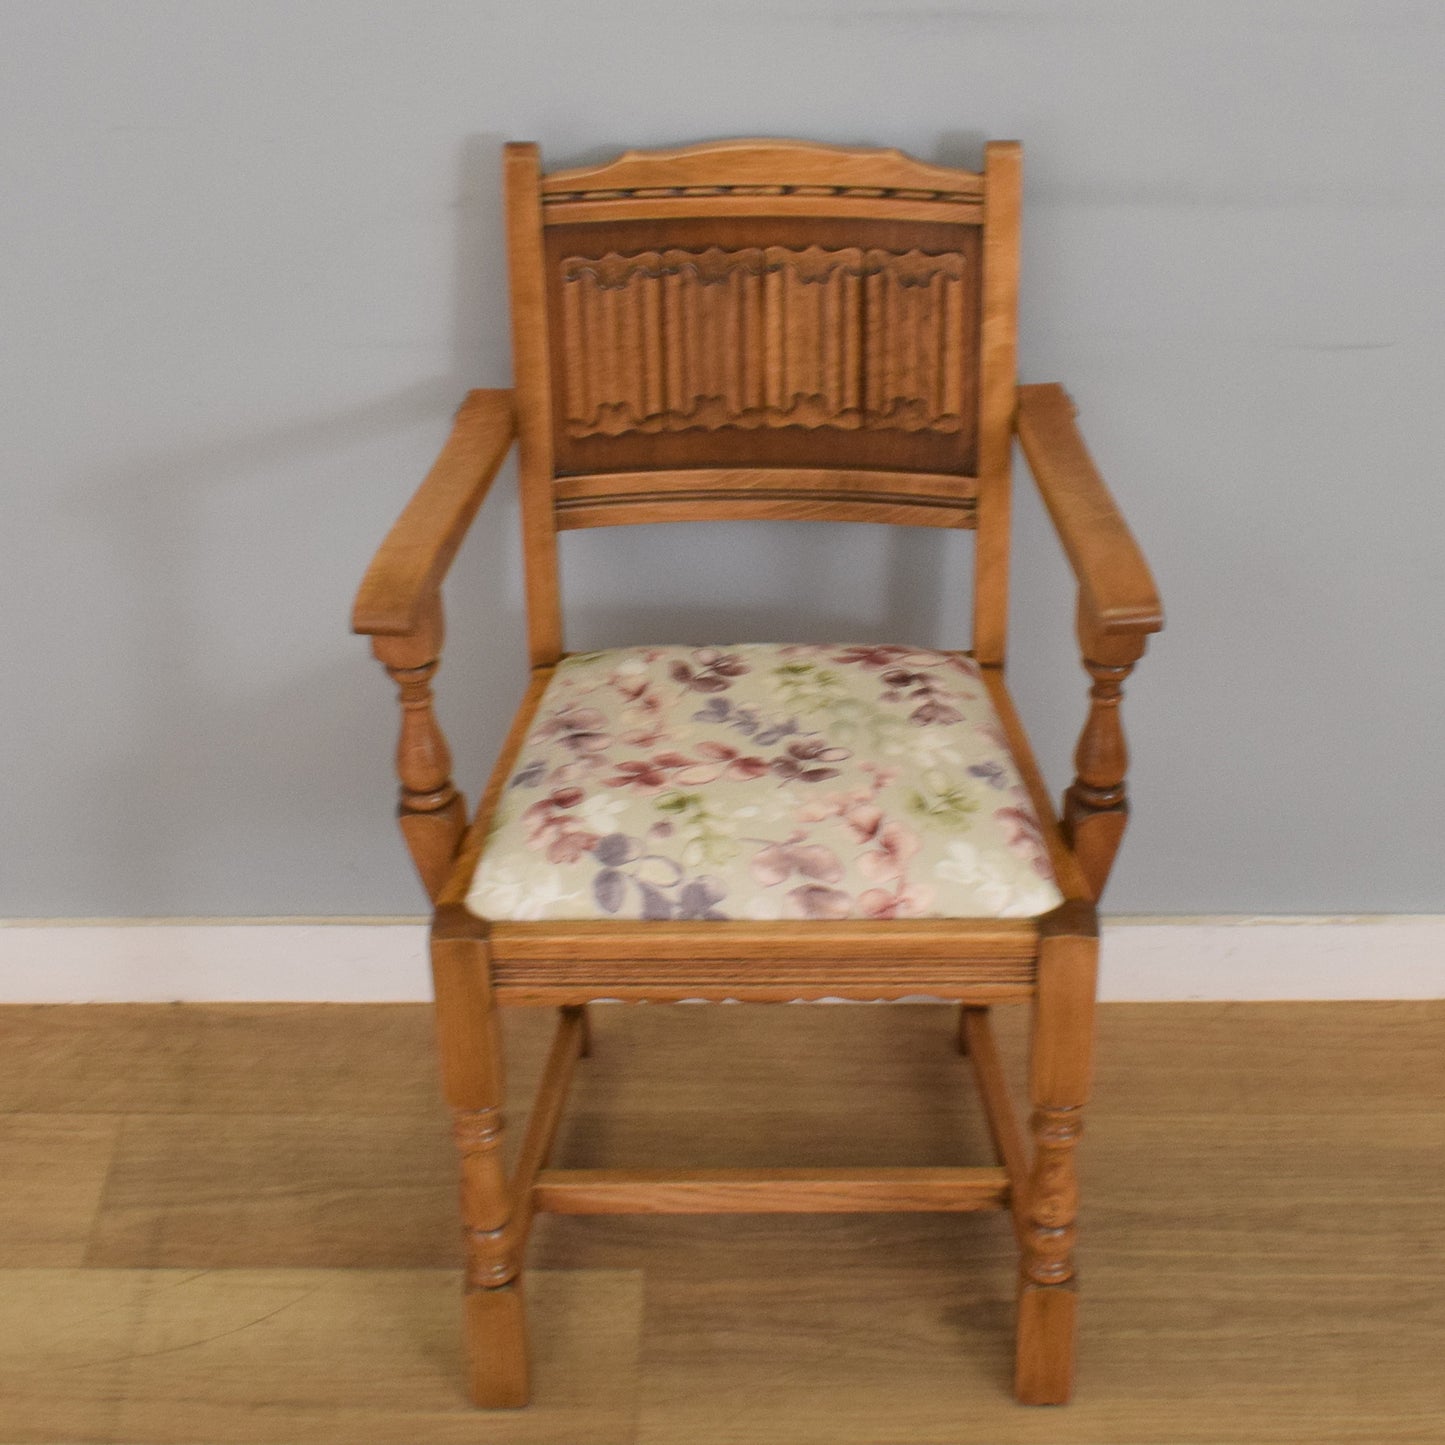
point(364, 1059)
point(1302, 1059)
point(1262, 1245)
point(53, 1168)
point(64, 1338)
point(1266, 1196)
point(300, 1357)
point(207, 1191)
point(1183, 1357)
point(218, 1059)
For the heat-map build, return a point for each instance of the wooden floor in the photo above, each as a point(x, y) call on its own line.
point(237, 1224)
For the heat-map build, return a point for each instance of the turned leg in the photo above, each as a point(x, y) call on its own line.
point(1096, 803)
point(1059, 1073)
point(472, 1080)
point(430, 810)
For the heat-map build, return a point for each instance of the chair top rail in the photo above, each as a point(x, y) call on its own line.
point(715, 167)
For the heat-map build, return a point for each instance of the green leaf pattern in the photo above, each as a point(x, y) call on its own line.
point(764, 781)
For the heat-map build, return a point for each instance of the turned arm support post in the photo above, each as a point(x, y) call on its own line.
point(1118, 609)
point(399, 607)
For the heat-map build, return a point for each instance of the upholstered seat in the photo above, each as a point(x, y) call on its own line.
point(764, 781)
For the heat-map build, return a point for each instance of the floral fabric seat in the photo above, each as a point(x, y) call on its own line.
point(764, 781)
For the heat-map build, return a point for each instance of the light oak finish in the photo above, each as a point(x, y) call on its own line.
point(768, 1191)
point(998, 355)
point(1265, 1252)
point(940, 488)
point(572, 1041)
point(1060, 1072)
point(756, 505)
point(767, 330)
point(451, 911)
point(705, 169)
point(708, 336)
point(921, 499)
point(1066, 865)
point(431, 812)
point(1118, 608)
point(469, 1046)
point(825, 202)
point(530, 363)
point(846, 940)
point(407, 572)
point(1117, 596)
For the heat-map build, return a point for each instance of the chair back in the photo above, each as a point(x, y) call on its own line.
point(764, 329)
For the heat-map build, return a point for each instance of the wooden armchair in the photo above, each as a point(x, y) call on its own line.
point(764, 329)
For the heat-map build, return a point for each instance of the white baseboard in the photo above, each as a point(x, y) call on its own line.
point(350, 960)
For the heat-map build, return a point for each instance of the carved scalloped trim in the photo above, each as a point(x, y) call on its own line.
point(810, 265)
point(850, 338)
point(807, 410)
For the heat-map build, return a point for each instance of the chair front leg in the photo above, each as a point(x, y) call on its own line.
point(430, 810)
point(1059, 1073)
point(472, 1080)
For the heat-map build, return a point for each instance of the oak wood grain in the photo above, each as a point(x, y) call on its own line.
point(728, 343)
point(1116, 589)
point(1070, 876)
point(756, 505)
point(452, 898)
point(927, 486)
point(824, 203)
point(762, 162)
point(430, 810)
point(1005, 1131)
point(769, 1191)
point(848, 940)
point(545, 1116)
point(410, 564)
point(534, 401)
point(998, 367)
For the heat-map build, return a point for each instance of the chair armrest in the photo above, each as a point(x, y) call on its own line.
point(1116, 590)
point(409, 566)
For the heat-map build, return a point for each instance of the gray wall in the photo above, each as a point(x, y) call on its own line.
point(249, 260)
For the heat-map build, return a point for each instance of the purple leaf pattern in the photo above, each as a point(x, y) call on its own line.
point(765, 781)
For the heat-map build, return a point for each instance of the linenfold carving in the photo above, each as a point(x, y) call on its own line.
point(672, 340)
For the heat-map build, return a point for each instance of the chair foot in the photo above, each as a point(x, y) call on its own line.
point(497, 1347)
point(1044, 1360)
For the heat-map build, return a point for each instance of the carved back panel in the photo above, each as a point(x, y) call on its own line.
point(763, 329)
point(740, 343)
